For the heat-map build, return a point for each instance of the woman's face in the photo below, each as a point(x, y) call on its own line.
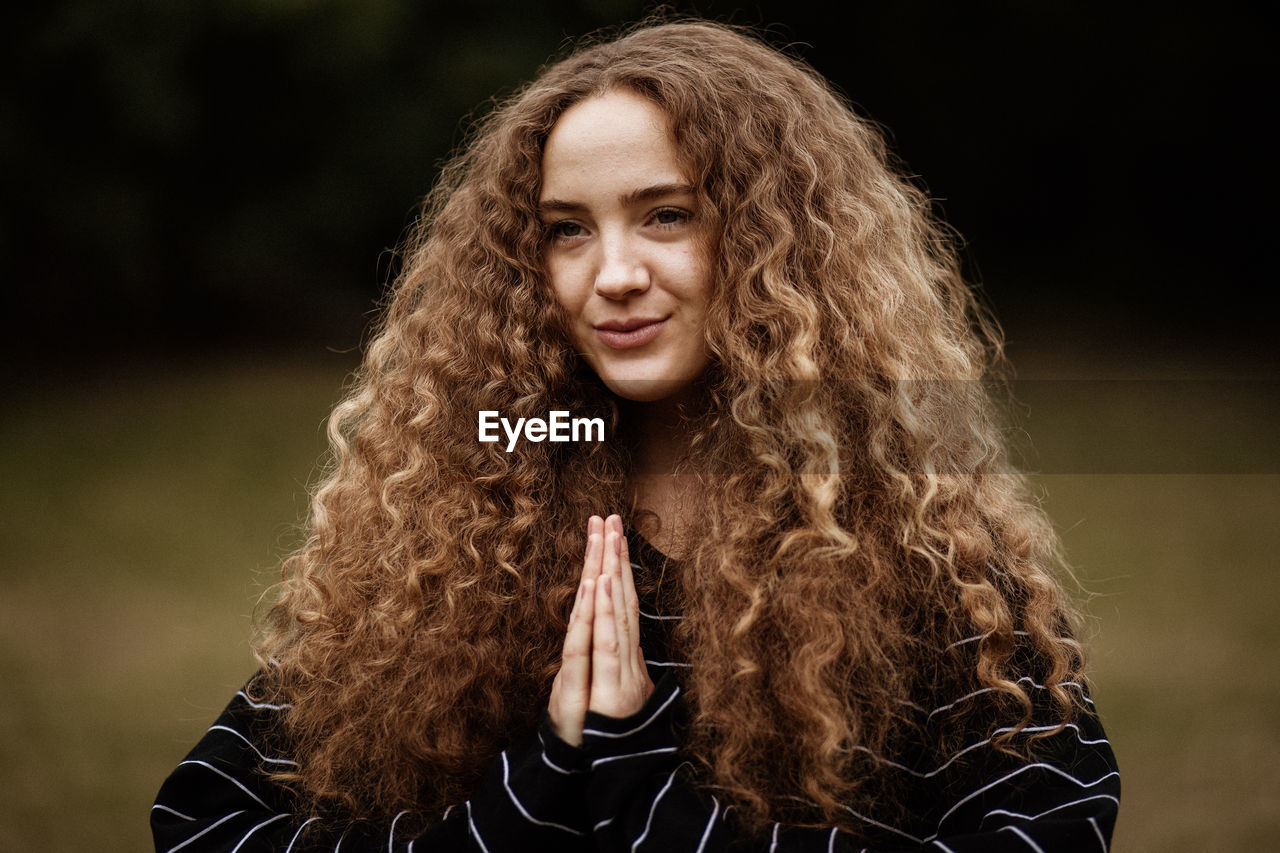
point(625, 250)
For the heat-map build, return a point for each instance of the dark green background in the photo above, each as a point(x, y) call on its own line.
point(201, 175)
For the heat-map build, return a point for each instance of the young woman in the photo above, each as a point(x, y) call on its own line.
point(830, 620)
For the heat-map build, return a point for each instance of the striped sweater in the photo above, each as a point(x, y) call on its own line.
point(629, 787)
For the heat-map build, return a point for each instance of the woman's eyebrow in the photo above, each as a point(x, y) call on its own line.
point(554, 204)
point(634, 197)
point(654, 192)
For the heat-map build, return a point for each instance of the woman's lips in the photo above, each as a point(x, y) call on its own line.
point(636, 337)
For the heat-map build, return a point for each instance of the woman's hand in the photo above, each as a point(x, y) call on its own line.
point(571, 690)
point(602, 668)
point(619, 678)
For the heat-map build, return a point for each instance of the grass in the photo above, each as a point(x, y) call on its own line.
point(143, 515)
point(1185, 661)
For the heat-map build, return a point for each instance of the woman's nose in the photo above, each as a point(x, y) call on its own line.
point(622, 271)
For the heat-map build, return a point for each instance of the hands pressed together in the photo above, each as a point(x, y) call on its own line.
point(602, 668)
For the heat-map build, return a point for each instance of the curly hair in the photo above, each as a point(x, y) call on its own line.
point(838, 575)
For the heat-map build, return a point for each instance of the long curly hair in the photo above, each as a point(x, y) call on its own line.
point(862, 521)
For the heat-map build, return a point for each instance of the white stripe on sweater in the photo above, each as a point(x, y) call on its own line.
point(1023, 769)
point(657, 713)
point(1024, 837)
point(251, 746)
point(471, 824)
point(506, 783)
point(944, 765)
point(172, 811)
point(236, 849)
point(208, 828)
point(391, 833)
point(1025, 678)
point(1020, 816)
point(230, 779)
point(608, 758)
point(298, 833)
point(706, 833)
point(261, 705)
point(654, 807)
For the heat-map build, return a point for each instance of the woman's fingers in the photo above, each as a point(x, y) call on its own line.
point(619, 679)
point(640, 668)
point(641, 684)
point(591, 562)
point(571, 689)
point(627, 639)
point(605, 664)
point(630, 599)
point(627, 607)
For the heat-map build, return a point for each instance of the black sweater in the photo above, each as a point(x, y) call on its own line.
point(630, 788)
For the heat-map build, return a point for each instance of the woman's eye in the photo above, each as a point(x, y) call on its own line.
point(564, 230)
point(669, 216)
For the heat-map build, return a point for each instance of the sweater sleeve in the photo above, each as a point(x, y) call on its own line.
point(221, 798)
point(643, 795)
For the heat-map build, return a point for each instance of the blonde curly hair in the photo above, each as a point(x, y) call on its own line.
point(875, 524)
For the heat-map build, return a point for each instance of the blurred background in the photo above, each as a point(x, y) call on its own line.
point(198, 206)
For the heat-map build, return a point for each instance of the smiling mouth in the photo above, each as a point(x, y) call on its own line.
point(617, 336)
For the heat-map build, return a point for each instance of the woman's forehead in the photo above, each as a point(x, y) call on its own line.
point(618, 139)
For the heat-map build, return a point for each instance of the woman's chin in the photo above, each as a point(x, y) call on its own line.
point(646, 389)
